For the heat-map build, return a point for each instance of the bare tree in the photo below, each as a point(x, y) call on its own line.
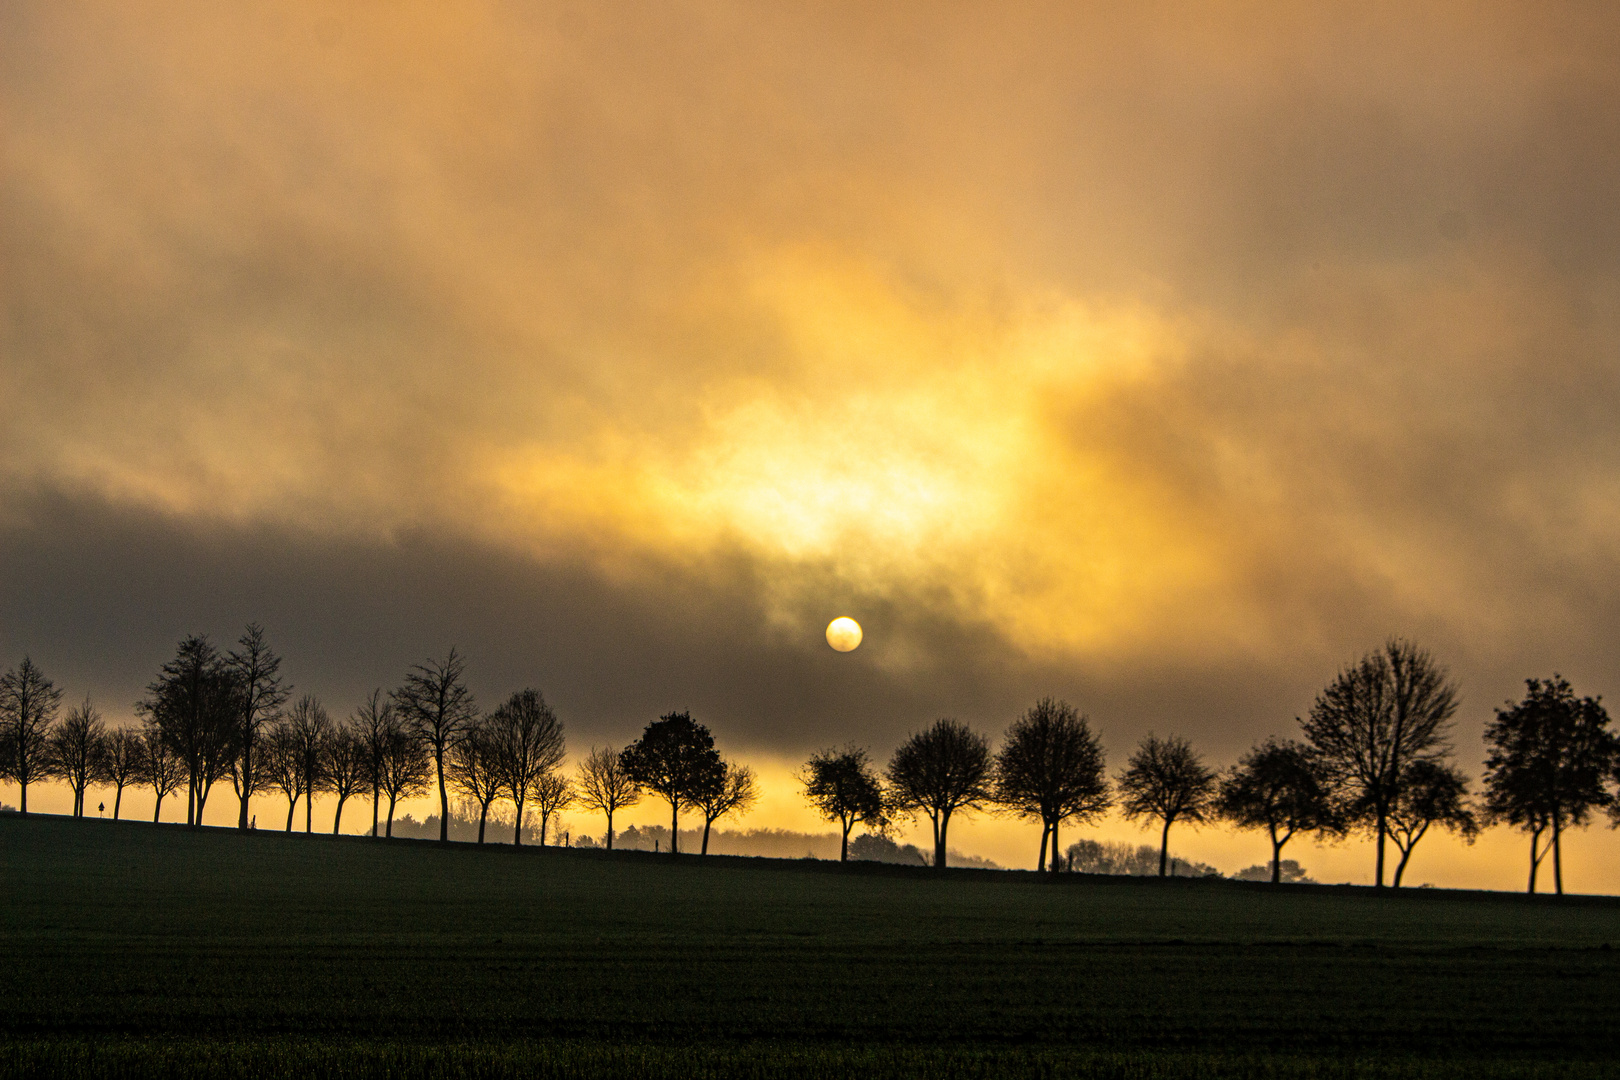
point(1382, 715)
point(282, 766)
point(373, 720)
point(255, 669)
point(674, 758)
point(474, 771)
point(1051, 767)
point(406, 767)
point(161, 766)
point(1432, 793)
point(309, 729)
point(74, 751)
point(1165, 779)
point(527, 742)
point(122, 763)
point(1548, 766)
point(552, 793)
point(1276, 787)
point(28, 704)
point(736, 793)
point(346, 766)
point(436, 705)
point(843, 787)
point(605, 786)
point(939, 772)
point(194, 703)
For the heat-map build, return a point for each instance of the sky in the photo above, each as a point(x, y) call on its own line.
point(1162, 359)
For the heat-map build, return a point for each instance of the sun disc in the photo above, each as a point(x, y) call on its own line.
point(843, 633)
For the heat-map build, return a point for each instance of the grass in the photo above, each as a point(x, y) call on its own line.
point(138, 950)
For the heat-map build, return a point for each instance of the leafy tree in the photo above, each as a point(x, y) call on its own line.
point(346, 765)
point(255, 669)
point(1276, 787)
point(74, 751)
point(161, 766)
point(1051, 767)
point(122, 762)
point(552, 793)
point(1432, 793)
point(605, 786)
point(842, 786)
point(308, 728)
point(939, 772)
point(1548, 760)
point(406, 767)
point(437, 707)
point(1165, 779)
point(28, 704)
point(474, 770)
point(372, 721)
point(1378, 718)
point(194, 702)
point(283, 766)
point(675, 758)
point(735, 793)
point(526, 739)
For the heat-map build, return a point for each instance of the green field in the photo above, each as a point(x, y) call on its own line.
point(141, 950)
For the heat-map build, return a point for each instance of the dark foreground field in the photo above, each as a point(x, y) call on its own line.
point(152, 951)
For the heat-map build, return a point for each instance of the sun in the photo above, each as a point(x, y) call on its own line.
point(843, 633)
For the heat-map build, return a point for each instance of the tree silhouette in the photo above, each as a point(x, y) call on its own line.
point(255, 669)
point(474, 770)
point(282, 766)
point(373, 719)
point(122, 762)
point(346, 765)
point(735, 793)
point(1547, 765)
point(526, 739)
point(842, 786)
point(1165, 779)
point(437, 707)
point(939, 772)
point(161, 766)
point(194, 702)
point(1051, 767)
point(1431, 793)
point(308, 728)
point(674, 758)
point(1380, 716)
point(605, 786)
point(75, 749)
point(1276, 787)
point(406, 767)
point(552, 793)
point(28, 704)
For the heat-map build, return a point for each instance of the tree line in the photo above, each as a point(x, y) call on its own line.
point(1374, 758)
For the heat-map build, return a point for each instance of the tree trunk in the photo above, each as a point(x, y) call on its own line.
point(374, 808)
point(337, 818)
point(118, 800)
point(674, 826)
point(610, 830)
point(390, 835)
point(1400, 867)
point(707, 821)
point(545, 820)
point(309, 804)
point(444, 796)
point(191, 801)
point(1276, 856)
point(1164, 848)
point(247, 782)
point(843, 850)
point(483, 816)
point(1383, 828)
point(1535, 860)
point(1055, 849)
point(292, 808)
point(1558, 856)
point(517, 827)
point(24, 807)
point(939, 839)
point(156, 813)
point(1040, 860)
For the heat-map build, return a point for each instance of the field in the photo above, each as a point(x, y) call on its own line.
point(143, 951)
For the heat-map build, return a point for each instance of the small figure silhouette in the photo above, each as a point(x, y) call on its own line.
point(101, 809)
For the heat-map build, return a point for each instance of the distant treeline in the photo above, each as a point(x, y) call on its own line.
point(1374, 758)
